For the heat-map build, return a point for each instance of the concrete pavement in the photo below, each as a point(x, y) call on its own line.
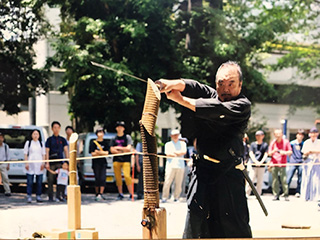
point(121, 219)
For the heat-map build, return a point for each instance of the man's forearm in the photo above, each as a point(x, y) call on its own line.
point(188, 103)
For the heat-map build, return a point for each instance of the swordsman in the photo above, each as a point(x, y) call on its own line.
point(217, 204)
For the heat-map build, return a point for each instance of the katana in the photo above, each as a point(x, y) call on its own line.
point(117, 71)
point(253, 188)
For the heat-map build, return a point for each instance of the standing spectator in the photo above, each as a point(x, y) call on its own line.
point(296, 157)
point(34, 149)
point(278, 150)
point(99, 147)
point(139, 163)
point(246, 148)
point(69, 130)
point(62, 181)
point(4, 168)
point(258, 153)
point(174, 166)
point(122, 143)
point(310, 189)
point(56, 146)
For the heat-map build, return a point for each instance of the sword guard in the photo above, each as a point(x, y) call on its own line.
point(240, 166)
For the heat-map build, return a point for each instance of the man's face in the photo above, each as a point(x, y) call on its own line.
point(259, 137)
point(120, 129)
point(56, 129)
point(278, 134)
point(313, 135)
point(228, 84)
point(175, 137)
point(1, 139)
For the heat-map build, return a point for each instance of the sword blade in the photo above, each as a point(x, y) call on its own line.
point(254, 190)
point(117, 71)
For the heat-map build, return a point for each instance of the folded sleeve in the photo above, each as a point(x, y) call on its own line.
point(195, 89)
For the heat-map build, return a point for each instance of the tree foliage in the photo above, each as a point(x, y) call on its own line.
point(147, 38)
point(133, 36)
point(21, 25)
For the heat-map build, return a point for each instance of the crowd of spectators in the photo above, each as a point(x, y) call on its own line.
point(283, 159)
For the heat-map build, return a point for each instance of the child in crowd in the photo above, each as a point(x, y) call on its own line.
point(62, 181)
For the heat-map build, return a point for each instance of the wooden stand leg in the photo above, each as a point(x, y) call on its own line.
point(158, 221)
point(74, 207)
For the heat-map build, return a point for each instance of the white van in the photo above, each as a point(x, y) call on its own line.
point(86, 174)
point(15, 137)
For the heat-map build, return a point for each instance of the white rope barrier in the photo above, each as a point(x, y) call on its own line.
point(140, 153)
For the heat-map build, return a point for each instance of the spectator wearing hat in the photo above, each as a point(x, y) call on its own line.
point(122, 143)
point(99, 147)
point(258, 153)
point(174, 166)
point(279, 149)
point(4, 167)
point(310, 189)
point(296, 158)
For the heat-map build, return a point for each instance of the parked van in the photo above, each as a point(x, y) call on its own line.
point(86, 174)
point(15, 137)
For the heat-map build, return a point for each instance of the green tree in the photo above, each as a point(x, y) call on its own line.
point(240, 31)
point(135, 36)
point(21, 25)
point(148, 39)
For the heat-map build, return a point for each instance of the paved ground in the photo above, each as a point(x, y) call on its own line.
point(121, 219)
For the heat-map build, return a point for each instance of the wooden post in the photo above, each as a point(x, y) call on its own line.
point(74, 193)
point(158, 221)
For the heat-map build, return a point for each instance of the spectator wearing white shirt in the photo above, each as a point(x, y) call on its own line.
point(34, 149)
point(310, 186)
point(174, 166)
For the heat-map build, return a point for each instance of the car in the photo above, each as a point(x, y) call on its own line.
point(16, 136)
point(86, 175)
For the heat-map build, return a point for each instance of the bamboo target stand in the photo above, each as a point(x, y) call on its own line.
point(74, 230)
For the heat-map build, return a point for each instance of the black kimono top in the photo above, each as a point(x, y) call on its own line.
point(218, 126)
